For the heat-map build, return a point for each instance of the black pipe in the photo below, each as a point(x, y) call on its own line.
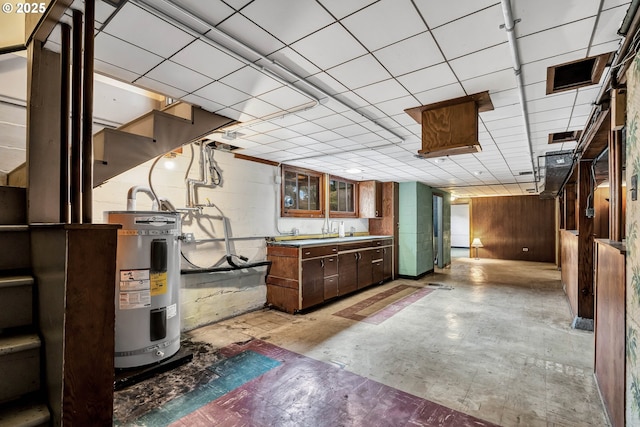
point(231, 268)
point(87, 113)
point(76, 122)
point(65, 65)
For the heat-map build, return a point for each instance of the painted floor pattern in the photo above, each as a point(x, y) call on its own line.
point(260, 384)
point(362, 310)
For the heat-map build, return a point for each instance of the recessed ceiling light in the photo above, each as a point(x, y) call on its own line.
point(441, 160)
point(353, 170)
point(477, 173)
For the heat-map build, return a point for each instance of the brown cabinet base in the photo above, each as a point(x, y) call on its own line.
point(304, 277)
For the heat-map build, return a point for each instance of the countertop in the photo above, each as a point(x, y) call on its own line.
point(327, 241)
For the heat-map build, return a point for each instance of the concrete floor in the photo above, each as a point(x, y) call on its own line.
point(497, 346)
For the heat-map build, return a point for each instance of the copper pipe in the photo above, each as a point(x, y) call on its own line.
point(87, 114)
point(65, 64)
point(76, 120)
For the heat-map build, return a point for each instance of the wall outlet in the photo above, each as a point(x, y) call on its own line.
point(188, 238)
point(525, 249)
point(590, 213)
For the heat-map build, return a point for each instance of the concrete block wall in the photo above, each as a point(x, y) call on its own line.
point(248, 195)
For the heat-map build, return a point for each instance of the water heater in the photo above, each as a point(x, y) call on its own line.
point(147, 328)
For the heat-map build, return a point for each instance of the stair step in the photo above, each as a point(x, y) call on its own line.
point(24, 414)
point(13, 205)
point(16, 301)
point(19, 366)
point(15, 254)
point(11, 281)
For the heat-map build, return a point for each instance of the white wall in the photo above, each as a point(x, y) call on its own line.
point(460, 226)
point(249, 197)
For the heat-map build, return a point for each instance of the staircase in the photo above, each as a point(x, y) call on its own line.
point(21, 397)
point(155, 133)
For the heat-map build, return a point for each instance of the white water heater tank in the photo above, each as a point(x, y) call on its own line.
point(147, 326)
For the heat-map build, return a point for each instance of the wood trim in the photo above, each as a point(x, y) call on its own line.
point(303, 213)
point(255, 159)
point(596, 72)
point(356, 191)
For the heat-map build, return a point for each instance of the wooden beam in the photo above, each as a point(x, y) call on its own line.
point(585, 243)
point(615, 186)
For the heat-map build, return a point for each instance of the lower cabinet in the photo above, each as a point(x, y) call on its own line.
point(303, 277)
point(312, 282)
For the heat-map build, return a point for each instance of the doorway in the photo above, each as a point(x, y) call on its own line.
point(460, 231)
point(438, 241)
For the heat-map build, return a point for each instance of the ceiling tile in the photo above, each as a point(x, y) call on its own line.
point(435, 14)
point(486, 61)
point(611, 46)
point(561, 100)
point(556, 41)
point(382, 91)
point(545, 14)
point(201, 102)
point(114, 71)
point(211, 12)
point(103, 11)
point(207, 60)
point(242, 29)
point(222, 94)
point(287, 20)
point(396, 107)
point(498, 113)
point(350, 130)
point(257, 108)
point(390, 20)
point(251, 81)
point(410, 54)
point(359, 72)
point(428, 78)
point(536, 71)
point(286, 98)
point(493, 82)
point(608, 24)
point(314, 47)
point(471, 33)
point(293, 61)
point(334, 121)
point(341, 8)
point(160, 87)
point(178, 76)
point(439, 94)
point(144, 30)
point(124, 55)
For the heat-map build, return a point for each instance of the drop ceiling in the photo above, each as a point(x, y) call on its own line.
point(323, 84)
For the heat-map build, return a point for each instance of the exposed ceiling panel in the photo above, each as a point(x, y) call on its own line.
point(366, 61)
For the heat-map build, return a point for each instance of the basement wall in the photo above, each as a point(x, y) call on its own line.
point(248, 196)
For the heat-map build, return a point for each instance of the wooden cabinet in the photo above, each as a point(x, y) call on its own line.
point(370, 199)
point(347, 273)
point(312, 282)
point(305, 276)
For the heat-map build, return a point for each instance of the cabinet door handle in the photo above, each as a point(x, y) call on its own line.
point(322, 263)
point(356, 255)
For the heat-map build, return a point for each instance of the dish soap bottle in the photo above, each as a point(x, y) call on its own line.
point(341, 229)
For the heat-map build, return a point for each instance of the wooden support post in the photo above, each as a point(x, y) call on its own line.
point(615, 186)
point(570, 207)
point(585, 242)
point(43, 134)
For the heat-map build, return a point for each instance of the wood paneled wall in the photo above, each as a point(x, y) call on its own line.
point(569, 274)
point(610, 327)
point(506, 225)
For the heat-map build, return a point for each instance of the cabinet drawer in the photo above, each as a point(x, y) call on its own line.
point(317, 251)
point(384, 242)
point(330, 266)
point(330, 287)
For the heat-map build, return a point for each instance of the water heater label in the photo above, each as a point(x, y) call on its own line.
point(172, 310)
point(136, 299)
point(134, 275)
point(158, 283)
